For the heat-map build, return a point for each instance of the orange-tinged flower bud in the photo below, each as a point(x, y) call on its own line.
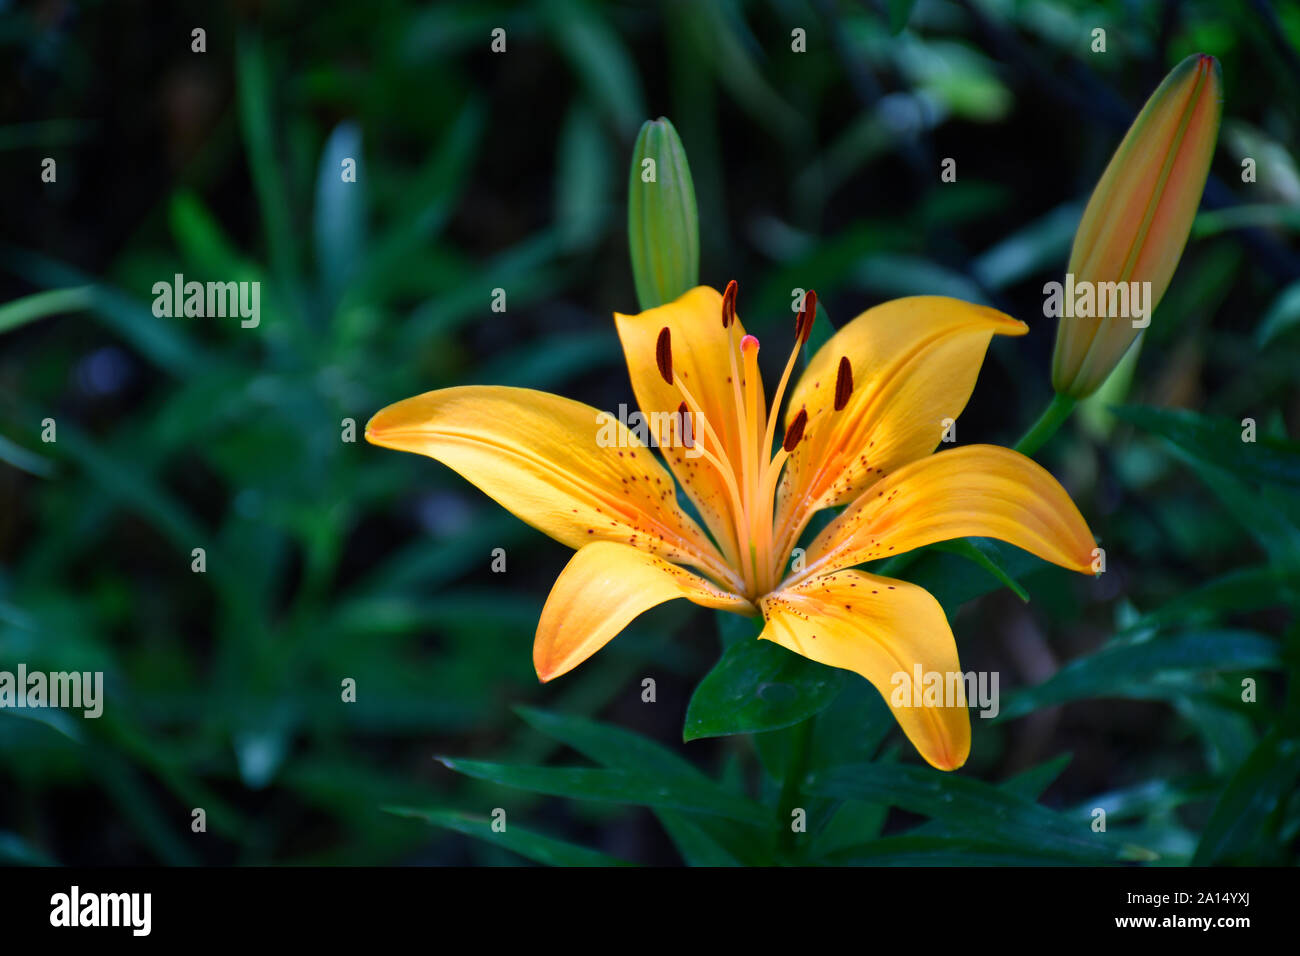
point(1135, 226)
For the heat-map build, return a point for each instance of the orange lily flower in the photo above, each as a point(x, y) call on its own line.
point(861, 425)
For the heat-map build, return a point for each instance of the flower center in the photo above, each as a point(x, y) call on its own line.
point(751, 471)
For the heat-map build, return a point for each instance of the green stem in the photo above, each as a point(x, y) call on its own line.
point(796, 769)
point(1055, 413)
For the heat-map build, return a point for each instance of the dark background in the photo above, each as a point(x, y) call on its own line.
point(329, 559)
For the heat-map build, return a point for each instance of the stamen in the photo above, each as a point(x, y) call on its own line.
point(664, 360)
point(752, 386)
point(742, 428)
point(794, 433)
point(761, 516)
point(843, 383)
point(664, 354)
point(684, 426)
point(721, 464)
point(803, 322)
point(767, 492)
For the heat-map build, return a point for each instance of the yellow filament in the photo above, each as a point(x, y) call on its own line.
point(722, 465)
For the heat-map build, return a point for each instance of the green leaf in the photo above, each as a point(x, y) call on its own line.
point(1219, 442)
point(973, 809)
point(599, 58)
point(254, 93)
point(723, 41)
point(553, 362)
point(613, 746)
point(584, 180)
point(527, 843)
point(1135, 668)
point(113, 474)
point(40, 305)
point(987, 557)
point(14, 454)
point(15, 851)
point(854, 823)
point(202, 242)
point(615, 786)
point(900, 11)
point(162, 341)
point(695, 842)
point(736, 628)
point(1260, 788)
point(425, 567)
point(1143, 799)
point(1039, 246)
point(1029, 784)
point(428, 200)
point(1281, 316)
point(340, 216)
point(895, 274)
point(853, 728)
point(1254, 510)
point(1033, 783)
point(1246, 589)
point(954, 579)
point(139, 805)
point(1225, 730)
point(1211, 222)
point(758, 686)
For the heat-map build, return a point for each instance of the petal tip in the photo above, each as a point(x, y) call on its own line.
point(949, 764)
point(1207, 63)
point(381, 427)
point(952, 756)
point(944, 748)
point(546, 670)
point(1008, 325)
point(1086, 558)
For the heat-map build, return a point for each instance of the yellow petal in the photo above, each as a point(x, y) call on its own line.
point(1139, 216)
point(603, 587)
point(880, 628)
point(569, 470)
point(973, 491)
point(699, 353)
point(914, 364)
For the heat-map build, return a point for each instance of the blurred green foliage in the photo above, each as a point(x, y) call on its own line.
point(328, 559)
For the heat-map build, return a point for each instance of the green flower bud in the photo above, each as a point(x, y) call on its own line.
point(663, 228)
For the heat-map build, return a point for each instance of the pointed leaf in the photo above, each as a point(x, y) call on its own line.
point(1220, 442)
point(614, 786)
point(533, 846)
point(1133, 668)
point(974, 809)
point(757, 686)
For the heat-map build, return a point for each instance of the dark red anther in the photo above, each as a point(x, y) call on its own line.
point(729, 304)
point(794, 433)
point(803, 322)
point(843, 383)
point(684, 426)
point(664, 354)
